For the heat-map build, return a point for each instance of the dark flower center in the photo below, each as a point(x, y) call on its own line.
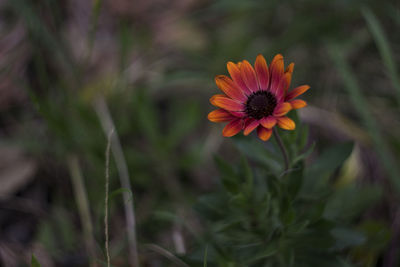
point(260, 104)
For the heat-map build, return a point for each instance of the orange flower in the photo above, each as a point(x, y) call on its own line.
point(256, 98)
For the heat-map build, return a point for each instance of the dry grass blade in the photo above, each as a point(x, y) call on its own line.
point(107, 123)
point(166, 254)
point(83, 207)
point(384, 48)
point(107, 184)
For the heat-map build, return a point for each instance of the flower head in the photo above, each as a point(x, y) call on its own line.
point(256, 98)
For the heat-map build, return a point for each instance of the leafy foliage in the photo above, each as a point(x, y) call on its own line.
point(264, 218)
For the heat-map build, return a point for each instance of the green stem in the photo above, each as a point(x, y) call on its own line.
point(283, 149)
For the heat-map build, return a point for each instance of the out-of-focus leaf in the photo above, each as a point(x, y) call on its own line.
point(40, 32)
point(348, 202)
point(268, 251)
point(330, 159)
point(378, 236)
point(146, 116)
point(35, 262)
point(120, 191)
point(184, 118)
point(294, 180)
point(351, 169)
point(347, 238)
point(211, 206)
point(304, 155)
point(205, 257)
point(318, 173)
point(229, 177)
point(257, 151)
point(246, 172)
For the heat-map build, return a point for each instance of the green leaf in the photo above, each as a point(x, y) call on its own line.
point(35, 262)
point(330, 159)
point(304, 154)
point(318, 174)
point(224, 167)
point(229, 177)
point(257, 150)
point(346, 238)
point(378, 236)
point(247, 174)
point(212, 206)
point(349, 202)
point(268, 251)
point(294, 181)
point(205, 257)
point(121, 191)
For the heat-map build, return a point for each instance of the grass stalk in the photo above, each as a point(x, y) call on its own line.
point(361, 106)
point(167, 254)
point(107, 185)
point(384, 49)
point(107, 124)
point(83, 207)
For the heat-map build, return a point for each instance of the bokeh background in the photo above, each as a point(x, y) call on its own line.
point(71, 70)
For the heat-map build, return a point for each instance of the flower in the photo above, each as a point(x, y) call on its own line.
point(256, 98)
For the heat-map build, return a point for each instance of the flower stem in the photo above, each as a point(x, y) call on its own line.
point(283, 149)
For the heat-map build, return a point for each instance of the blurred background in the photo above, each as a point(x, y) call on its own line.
point(72, 70)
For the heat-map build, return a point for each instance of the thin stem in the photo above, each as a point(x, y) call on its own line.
point(107, 184)
point(107, 123)
point(283, 149)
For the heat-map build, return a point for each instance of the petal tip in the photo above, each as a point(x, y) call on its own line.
point(286, 123)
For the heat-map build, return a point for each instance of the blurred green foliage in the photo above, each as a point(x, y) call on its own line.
point(262, 218)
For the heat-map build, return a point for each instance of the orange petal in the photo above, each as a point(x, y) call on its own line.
point(279, 89)
point(286, 123)
point(297, 91)
point(268, 122)
point(249, 76)
point(261, 68)
point(276, 71)
point(229, 88)
point(290, 68)
point(288, 75)
point(232, 128)
point(220, 115)
point(226, 103)
point(298, 103)
point(214, 96)
point(277, 57)
point(263, 133)
point(282, 109)
point(234, 71)
point(251, 126)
